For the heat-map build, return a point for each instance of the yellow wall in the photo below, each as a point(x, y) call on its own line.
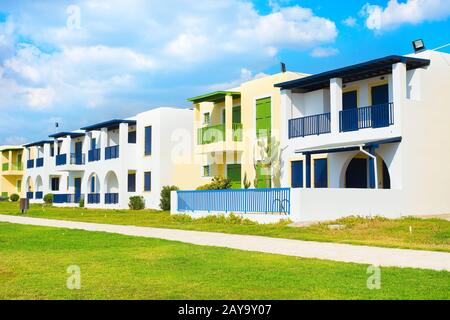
point(10, 177)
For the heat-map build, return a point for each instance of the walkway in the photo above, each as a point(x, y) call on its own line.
point(304, 249)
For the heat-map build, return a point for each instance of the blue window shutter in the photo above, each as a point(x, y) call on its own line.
point(147, 181)
point(148, 141)
point(93, 143)
point(320, 173)
point(131, 182)
point(132, 137)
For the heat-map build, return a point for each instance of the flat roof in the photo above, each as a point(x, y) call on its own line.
point(360, 71)
point(214, 96)
point(65, 134)
point(108, 124)
point(38, 143)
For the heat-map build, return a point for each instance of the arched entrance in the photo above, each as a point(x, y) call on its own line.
point(29, 185)
point(38, 184)
point(357, 173)
point(111, 188)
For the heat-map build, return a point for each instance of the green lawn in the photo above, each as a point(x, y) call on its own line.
point(427, 234)
point(34, 260)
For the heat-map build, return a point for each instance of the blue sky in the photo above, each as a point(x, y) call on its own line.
point(82, 61)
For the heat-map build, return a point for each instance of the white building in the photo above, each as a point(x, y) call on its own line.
point(107, 163)
point(369, 139)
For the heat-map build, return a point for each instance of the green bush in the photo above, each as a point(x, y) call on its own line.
point(14, 197)
point(81, 203)
point(217, 183)
point(165, 197)
point(48, 198)
point(136, 203)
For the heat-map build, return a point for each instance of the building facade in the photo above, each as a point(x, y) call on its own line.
point(106, 163)
point(11, 174)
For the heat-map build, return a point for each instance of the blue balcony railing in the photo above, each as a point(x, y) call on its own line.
point(93, 198)
point(30, 195)
point(94, 155)
point(38, 195)
point(67, 198)
point(310, 125)
point(77, 158)
point(111, 198)
point(377, 116)
point(111, 152)
point(39, 162)
point(61, 159)
point(30, 164)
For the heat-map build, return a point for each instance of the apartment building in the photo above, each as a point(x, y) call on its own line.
point(106, 163)
point(11, 174)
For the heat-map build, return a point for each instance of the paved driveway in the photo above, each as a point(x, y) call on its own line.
point(304, 249)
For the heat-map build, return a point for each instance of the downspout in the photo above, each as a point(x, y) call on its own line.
point(375, 164)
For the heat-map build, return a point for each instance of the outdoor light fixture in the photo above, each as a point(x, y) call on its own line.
point(418, 45)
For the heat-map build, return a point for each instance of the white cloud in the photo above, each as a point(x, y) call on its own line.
point(15, 140)
point(322, 52)
point(40, 98)
point(245, 75)
point(409, 12)
point(350, 22)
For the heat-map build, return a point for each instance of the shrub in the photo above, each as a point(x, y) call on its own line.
point(217, 183)
point(136, 203)
point(81, 203)
point(165, 197)
point(14, 197)
point(48, 198)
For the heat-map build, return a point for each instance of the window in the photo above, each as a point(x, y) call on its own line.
point(206, 118)
point(132, 182)
point(147, 181)
point(93, 184)
point(132, 137)
point(297, 174)
point(93, 143)
point(350, 100)
point(206, 171)
point(52, 150)
point(263, 118)
point(224, 117)
point(148, 141)
point(55, 184)
point(320, 173)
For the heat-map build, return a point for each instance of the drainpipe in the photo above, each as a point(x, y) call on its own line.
point(374, 158)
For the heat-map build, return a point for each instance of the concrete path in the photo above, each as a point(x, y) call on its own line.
point(305, 249)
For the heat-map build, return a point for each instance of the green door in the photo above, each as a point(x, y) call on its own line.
point(234, 174)
point(263, 175)
point(263, 117)
point(237, 114)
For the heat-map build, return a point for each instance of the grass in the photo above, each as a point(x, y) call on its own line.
point(34, 260)
point(427, 234)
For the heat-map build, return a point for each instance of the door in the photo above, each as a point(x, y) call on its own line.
point(237, 114)
point(356, 174)
point(297, 174)
point(78, 152)
point(380, 106)
point(234, 174)
point(263, 117)
point(19, 162)
point(350, 111)
point(77, 185)
point(263, 176)
point(321, 173)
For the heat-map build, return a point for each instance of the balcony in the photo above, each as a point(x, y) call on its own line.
point(211, 134)
point(77, 158)
point(67, 198)
point(111, 198)
point(377, 116)
point(30, 164)
point(17, 167)
point(94, 155)
point(310, 125)
point(5, 167)
point(237, 131)
point(61, 159)
point(39, 162)
point(111, 152)
point(93, 198)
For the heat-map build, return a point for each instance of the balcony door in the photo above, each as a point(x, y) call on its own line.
point(350, 111)
point(234, 174)
point(380, 106)
point(77, 185)
point(78, 152)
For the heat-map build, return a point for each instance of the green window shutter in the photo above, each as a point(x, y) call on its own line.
point(263, 117)
point(234, 174)
point(237, 114)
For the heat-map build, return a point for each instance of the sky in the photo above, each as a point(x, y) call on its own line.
point(80, 62)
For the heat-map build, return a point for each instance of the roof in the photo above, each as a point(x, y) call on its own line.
point(108, 124)
point(64, 134)
point(10, 148)
point(214, 96)
point(368, 69)
point(38, 143)
point(342, 147)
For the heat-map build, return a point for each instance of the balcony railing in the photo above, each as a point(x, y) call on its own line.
point(17, 166)
point(67, 198)
point(38, 195)
point(377, 116)
point(93, 198)
point(61, 159)
point(237, 131)
point(5, 167)
point(39, 162)
point(94, 155)
point(111, 198)
point(77, 158)
point(30, 195)
point(310, 125)
point(211, 134)
point(30, 164)
point(111, 152)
